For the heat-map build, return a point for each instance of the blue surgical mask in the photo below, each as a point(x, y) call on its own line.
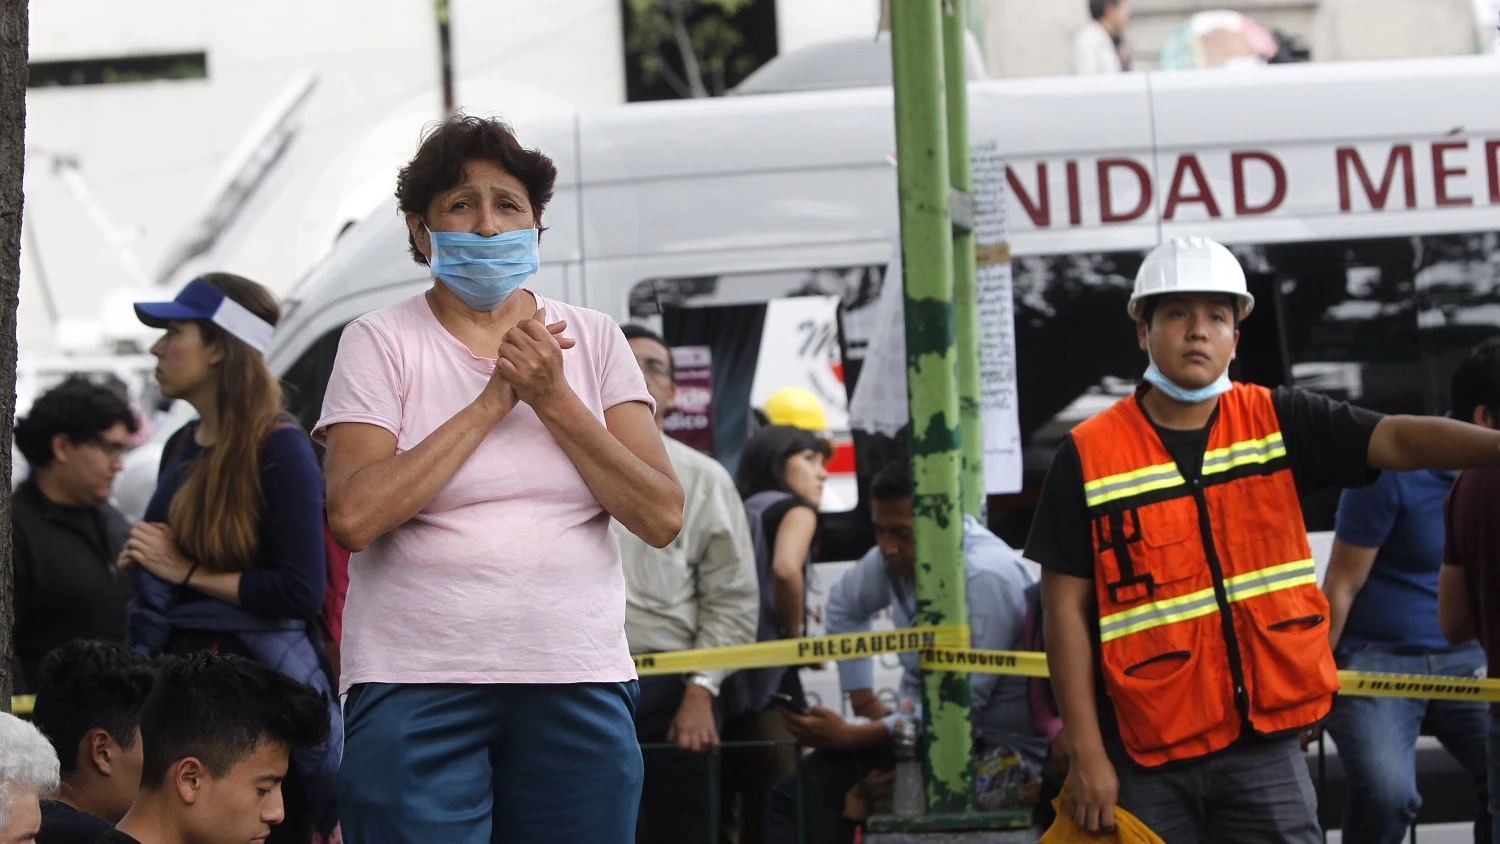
point(1161, 382)
point(483, 271)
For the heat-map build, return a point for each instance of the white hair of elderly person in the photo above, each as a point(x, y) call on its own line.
point(28, 772)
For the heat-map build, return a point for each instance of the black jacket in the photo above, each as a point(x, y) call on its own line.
point(66, 585)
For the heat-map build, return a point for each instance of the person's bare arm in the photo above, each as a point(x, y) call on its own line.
point(1454, 618)
point(1348, 569)
point(1409, 443)
point(793, 539)
point(622, 461)
point(1067, 603)
point(372, 489)
point(624, 464)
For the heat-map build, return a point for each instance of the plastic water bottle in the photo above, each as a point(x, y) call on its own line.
point(909, 798)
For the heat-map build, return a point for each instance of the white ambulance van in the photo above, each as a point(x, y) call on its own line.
point(1363, 199)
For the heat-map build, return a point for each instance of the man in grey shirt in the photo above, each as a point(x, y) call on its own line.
point(698, 592)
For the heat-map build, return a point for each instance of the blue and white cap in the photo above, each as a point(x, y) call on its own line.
point(201, 300)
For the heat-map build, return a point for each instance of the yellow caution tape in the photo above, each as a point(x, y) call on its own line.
point(942, 649)
point(1355, 683)
point(803, 651)
point(1024, 663)
point(1425, 687)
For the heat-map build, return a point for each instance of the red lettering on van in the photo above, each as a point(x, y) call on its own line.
point(1348, 158)
point(1441, 173)
point(1040, 211)
point(1106, 204)
point(1075, 207)
point(1490, 148)
point(1242, 207)
point(1188, 163)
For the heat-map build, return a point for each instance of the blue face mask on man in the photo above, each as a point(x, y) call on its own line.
point(483, 271)
point(1160, 381)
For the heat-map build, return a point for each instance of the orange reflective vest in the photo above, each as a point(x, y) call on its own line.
point(1210, 615)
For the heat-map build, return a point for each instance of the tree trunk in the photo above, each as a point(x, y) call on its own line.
point(690, 69)
point(13, 74)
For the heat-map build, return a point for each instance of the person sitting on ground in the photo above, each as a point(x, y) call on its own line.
point(28, 772)
point(997, 583)
point(67, 536)
point(218, 732)
point(88, 703)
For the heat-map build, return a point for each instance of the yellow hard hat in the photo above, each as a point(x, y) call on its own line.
point(1128, 828)
point(796, 408)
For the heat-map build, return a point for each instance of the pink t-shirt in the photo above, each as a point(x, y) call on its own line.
point(510, 574)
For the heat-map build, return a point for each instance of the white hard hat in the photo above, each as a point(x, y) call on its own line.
point(1190, 265)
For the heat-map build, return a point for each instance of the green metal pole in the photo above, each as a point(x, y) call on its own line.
point(932, 389)
point(965, 302)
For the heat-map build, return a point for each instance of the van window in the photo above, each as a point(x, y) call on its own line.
point(307, 379)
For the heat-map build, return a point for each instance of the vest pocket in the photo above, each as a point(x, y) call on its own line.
point(1168, 685)
point(1288, 663)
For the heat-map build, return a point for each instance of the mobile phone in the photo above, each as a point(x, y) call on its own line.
point(789, 703)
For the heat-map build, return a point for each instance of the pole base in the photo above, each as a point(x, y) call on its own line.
point(951, 822)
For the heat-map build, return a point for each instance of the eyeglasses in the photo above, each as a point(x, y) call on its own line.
point(112, 450)
point(657, 369)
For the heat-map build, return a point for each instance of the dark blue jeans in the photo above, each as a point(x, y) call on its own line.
point(1377, 738)
point(484, 764)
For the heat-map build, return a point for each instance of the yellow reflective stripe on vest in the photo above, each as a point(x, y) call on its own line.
point(1245, 453)
point(1157, 613)
point(1285, 576)
point(1203, 602)
point(1166, 476)
point(1130, 484)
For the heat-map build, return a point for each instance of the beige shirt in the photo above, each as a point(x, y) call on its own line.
point(700, 591)
point(1094, 50)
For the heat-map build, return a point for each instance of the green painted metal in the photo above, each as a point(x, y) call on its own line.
point(965, 302)
point(932, 388)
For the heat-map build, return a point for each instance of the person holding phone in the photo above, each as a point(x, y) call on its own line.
point(996, 582)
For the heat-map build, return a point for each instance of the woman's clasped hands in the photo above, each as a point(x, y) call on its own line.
point(530, 362)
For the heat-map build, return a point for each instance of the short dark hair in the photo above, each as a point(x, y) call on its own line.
point(892, 482)
point(1097, 8)
point(1151, 303)
point(641, 332)
point(78, 408)
point(90, 685)
point(765, 455)
point(445, 153)
point(1476, 381)
point(218, 707)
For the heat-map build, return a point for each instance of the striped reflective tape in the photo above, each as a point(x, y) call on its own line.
point(1246, 453)
point(1165, 475)
point(1203, 602)
point(1130, 484)
point(804, 651)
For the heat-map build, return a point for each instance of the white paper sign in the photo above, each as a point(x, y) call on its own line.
point(879, 403)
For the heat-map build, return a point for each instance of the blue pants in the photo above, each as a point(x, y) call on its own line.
point(485, 764)
point(1377, 738)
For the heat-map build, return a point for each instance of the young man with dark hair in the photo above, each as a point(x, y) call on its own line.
point(996, 582)
point(66, 535)
point(88, 703)
point(1469, 581)
point(699, 592)
point(218, 731)
point(1186, 634)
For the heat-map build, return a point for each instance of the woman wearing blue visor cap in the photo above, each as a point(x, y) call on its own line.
point(229, 555)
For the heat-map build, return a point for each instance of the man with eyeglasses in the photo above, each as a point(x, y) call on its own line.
point(700, 591)
point(66, 535)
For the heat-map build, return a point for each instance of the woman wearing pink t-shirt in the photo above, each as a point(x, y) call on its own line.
point(480, 438)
